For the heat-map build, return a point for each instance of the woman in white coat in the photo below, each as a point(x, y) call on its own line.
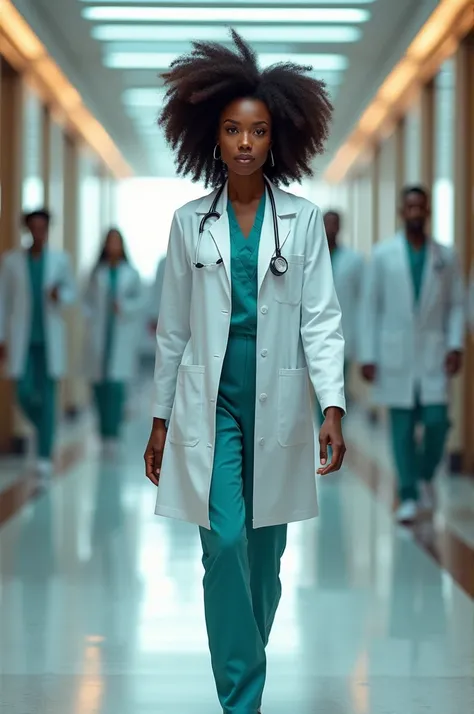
point(35, 286)
point(113, 302)
point(249, 316)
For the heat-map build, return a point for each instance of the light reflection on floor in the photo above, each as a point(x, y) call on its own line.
point(101, 608)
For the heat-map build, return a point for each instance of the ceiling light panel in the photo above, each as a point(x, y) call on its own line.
point(220, 33)
point(271, 15)
point(246, 3)
point(162, 60)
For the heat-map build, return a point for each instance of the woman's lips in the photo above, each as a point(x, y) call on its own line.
point(244, 159)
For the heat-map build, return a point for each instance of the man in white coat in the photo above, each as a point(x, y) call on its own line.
point(411, 345)
point(35, 285)
point(348, 271)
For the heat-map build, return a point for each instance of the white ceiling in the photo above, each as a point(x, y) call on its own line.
point(114, 51)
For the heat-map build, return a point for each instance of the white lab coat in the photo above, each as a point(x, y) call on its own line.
point(15, 310)
point(408, 342)
point(348, 271)
point(157, 289)
point(122, 365)
point(298, 336)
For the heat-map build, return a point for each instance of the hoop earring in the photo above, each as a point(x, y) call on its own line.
point(272, 159)
point(214, 154)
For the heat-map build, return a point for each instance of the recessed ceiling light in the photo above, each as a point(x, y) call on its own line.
point(226, 14)
point(220, 33)
point(272, 3)
point(162, 60)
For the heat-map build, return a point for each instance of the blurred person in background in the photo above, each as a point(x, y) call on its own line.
point(155, 298)
point(413, 320)
point(113, 302)
point(238, 458)
point(35, 285)
point(348, 272)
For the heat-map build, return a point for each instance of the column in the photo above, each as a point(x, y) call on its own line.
point(10, 184)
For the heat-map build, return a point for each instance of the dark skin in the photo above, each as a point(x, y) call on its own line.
point(114, 252)
point(332, 224)
point(244, 138)
point(38, 227)
point(415, 213)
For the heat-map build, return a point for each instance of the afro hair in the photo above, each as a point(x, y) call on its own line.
point(202, 83)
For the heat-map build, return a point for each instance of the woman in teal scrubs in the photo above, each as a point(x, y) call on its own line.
point(233, 125)
point(113, 295)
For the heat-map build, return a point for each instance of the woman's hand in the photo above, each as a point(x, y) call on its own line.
point(154, 450)
point(331, 435)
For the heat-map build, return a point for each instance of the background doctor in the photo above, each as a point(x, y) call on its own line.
point(236, 344)
point(412, 342)
point(35, 285)
point(113, 301)
point(348, 272)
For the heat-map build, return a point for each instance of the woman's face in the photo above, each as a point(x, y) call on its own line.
point(245, 136)
point(114, 246)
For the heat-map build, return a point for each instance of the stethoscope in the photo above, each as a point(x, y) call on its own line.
point(278, 263)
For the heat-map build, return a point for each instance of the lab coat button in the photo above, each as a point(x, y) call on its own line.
point(262, 441)
point(209, 446)
point(264, 353)
point(263, 397)
point(264, 309)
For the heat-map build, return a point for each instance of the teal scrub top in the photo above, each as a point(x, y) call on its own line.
point(36, 271)
point(110, 328)
point(335, 253)
point(417, 259)
point(244, 269)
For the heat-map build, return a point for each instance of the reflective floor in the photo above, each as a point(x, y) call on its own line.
point(101, 608)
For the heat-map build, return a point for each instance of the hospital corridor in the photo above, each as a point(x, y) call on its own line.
point(236, 357)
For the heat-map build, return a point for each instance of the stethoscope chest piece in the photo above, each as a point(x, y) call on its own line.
point(279, 265)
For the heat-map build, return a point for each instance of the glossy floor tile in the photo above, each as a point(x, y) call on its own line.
point(101, 607)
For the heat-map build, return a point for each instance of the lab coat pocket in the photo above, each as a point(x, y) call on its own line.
point(294, 410)
point(289, 287)
point(392, 355)
point(186, 418)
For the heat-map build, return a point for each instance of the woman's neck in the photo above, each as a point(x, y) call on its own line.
point(246, 189)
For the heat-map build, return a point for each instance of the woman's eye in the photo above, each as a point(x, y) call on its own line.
point(260, 132)
point(231, 130)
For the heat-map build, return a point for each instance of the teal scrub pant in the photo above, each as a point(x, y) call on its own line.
point(242, 566)
point(110, 402)
point(415, 460)
point(36, 394)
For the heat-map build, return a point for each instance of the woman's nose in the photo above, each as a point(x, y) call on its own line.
point(245, 141)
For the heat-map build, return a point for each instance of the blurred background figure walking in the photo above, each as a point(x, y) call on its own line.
point(113, 301)
point(35, 284)
point(411, 345)
point(348, 272)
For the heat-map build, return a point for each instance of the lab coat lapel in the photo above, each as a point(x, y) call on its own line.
point(285, 209)
point(428, 281)
point(217, 231)
point(220, 234)
point(23, 275)
point(402, 261)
